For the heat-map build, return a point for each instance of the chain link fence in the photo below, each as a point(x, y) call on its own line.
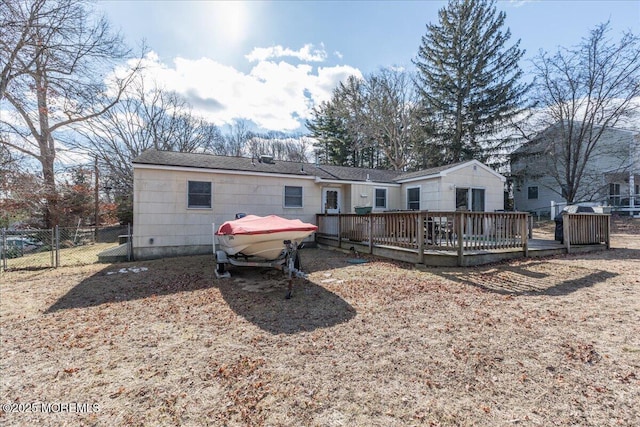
point(63, 246)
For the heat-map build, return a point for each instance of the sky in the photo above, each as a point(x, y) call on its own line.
point(271, 62)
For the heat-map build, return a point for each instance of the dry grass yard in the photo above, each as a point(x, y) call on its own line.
point(69, 256)
point(538, 342)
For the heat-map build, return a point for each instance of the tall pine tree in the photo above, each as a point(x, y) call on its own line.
point(468, 79)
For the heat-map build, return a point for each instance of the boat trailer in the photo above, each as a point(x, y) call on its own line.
point(288, 262)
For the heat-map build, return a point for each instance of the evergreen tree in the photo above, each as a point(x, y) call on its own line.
point(337, 125)
point(468, 79)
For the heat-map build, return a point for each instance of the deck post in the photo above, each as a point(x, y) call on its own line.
point(608, 237)
point(421, 230)
point(370, 218)
point(566, 234)
point(460, 227)
point(339, 231)
point(526, 233)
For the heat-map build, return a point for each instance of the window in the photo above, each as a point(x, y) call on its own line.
point(477, 200)
point(533, 193)
point(470, 199)
point(199, 195)
point(413, 198)
point(381, 198)
point(462, 199)
point(614, 194)
point(292, 197)
point(331, 200)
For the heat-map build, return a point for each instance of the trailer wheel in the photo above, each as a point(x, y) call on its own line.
point(220, 268)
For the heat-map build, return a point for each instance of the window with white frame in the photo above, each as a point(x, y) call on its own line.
point(477, 199)
point(462, 199)
point(472, 199)
point(381, 198)
point(199, 195)
point(292, 197)
point(413, 198)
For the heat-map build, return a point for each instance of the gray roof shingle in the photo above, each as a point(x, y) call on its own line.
point(328, 172)
point(346, 173)
point(209, 161)
point(427, 172)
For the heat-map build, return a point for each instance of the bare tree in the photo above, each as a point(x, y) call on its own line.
point(17, 40)
point(280, 146)
point(235, 142)
point(145, 118)
point(369, 122)
point(7, 160)
point(392, 104)
point(21, 192)
point(56, 57)
point(583, 92)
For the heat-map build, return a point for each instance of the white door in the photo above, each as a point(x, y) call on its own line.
point(331, 200)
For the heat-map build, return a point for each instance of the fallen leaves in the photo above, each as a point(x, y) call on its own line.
point(374, 344)
point(583, 352)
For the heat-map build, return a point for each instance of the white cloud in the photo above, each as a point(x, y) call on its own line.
point(307, 53)
point(274, 95)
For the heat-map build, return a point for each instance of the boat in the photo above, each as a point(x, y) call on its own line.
point(263, 237)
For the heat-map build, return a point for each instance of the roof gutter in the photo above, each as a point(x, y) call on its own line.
point(420, 178)
point(370, 183)
point(219, 171)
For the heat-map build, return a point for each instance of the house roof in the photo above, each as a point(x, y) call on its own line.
point(323, 172)
point(346, 173)
point(427, 172)
point(546, 137)
point(208, 161)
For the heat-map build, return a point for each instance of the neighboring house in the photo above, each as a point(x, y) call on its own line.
point(611, 176)
point(177, 196)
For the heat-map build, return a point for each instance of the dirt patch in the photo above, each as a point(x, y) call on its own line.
point(530, 342)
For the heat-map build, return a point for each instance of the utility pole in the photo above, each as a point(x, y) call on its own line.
point(96, 193)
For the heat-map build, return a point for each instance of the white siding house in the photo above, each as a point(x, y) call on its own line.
point(178, 196)
point(611, 175)
point(465, 186)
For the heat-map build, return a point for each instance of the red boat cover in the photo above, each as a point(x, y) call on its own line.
point(252, 224)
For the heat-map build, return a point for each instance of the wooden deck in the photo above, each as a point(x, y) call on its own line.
point(440, 258)
point(457, 239)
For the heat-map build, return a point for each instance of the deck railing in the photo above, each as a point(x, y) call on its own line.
point(458, 232)
point(586, 229)
point(429, 230)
